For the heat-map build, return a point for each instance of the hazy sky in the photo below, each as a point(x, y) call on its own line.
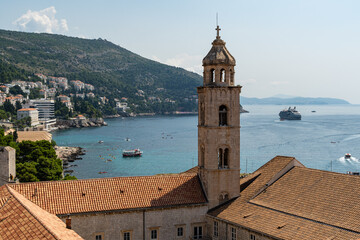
point(307, 48)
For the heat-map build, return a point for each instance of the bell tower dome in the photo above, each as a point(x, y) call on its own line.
point(219, 64)
point(219, 126)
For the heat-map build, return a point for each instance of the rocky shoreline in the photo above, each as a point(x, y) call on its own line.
point(69, 155)
point(80, 123)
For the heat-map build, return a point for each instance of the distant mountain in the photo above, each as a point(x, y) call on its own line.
point(291, 101)
point(113, 70)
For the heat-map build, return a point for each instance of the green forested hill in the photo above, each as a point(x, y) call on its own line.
point(113, 70)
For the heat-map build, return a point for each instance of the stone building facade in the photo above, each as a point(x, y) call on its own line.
point(7, 165)
point(33, 113)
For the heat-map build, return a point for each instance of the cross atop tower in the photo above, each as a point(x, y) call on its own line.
point(218, 32)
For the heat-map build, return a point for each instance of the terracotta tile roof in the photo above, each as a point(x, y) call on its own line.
point(27, 109)
point(109, 194)
point(33, 136)
point(193, 170)
point(22, 219)
point(327, 197)
point(285, 200)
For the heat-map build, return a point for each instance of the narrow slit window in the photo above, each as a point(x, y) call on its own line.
point(226, 158)
point(220, 158)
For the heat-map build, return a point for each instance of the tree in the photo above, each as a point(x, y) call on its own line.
point(8, 107)
point(34, 93)
point(23, 123)
point(69, 177)
point(18, 105)
point(37, 161)
point(4, 115)
point(27, 172)
point(61, 110)
point(15, 90)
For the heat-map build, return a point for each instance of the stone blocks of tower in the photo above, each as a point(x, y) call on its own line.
point(219, 142)
point(7, 165)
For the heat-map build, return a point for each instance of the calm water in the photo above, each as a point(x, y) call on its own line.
point(319, 140)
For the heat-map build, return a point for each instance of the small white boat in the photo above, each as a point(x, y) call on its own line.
point(100, 141)
point(132, 153)
point(347, 155)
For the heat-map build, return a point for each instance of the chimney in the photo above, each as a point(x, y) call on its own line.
point(68, 222)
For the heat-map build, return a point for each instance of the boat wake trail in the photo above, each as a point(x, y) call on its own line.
point(351, 160)
point(352, 137)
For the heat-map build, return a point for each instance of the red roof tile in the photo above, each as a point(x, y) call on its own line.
point(111, 194)
point(285, 200)
point(22, 219)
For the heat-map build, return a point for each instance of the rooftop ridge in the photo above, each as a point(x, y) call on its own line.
point(188, 175)
point(330, 172)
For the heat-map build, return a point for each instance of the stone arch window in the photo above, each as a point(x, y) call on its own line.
point(222, 115)
point(222, 75)
point(202, 114)
point(224, 196)
point(212, 75)
point(202, 156)
point(223, 158)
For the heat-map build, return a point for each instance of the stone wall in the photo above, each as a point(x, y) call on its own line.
point(225, 231)
point(113, 224)
point(7, 165)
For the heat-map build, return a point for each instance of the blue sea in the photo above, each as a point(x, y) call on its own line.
point(169, 143)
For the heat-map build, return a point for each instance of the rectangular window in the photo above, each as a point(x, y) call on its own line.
point(180, 231)
point(198, 232)
point(252, 237)
point(233, 233)
point(154, 234)
point(98, 237)
point(216, 229)
point(127, 236)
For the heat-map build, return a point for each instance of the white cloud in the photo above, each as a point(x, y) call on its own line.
point(41, 21)
point(248, 81)
point(186, 61)
point(276, 83)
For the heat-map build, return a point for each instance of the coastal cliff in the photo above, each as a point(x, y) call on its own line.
point(242, 110)
point(79, 123)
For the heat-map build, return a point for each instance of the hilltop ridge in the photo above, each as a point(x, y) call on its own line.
point(114, 71)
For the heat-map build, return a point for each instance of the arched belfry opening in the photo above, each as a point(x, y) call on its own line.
point(223, 115)
point(212, 75)
point(222, 75)
point(223, 158)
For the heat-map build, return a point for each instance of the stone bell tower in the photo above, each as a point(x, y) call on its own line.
point(219, 126)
